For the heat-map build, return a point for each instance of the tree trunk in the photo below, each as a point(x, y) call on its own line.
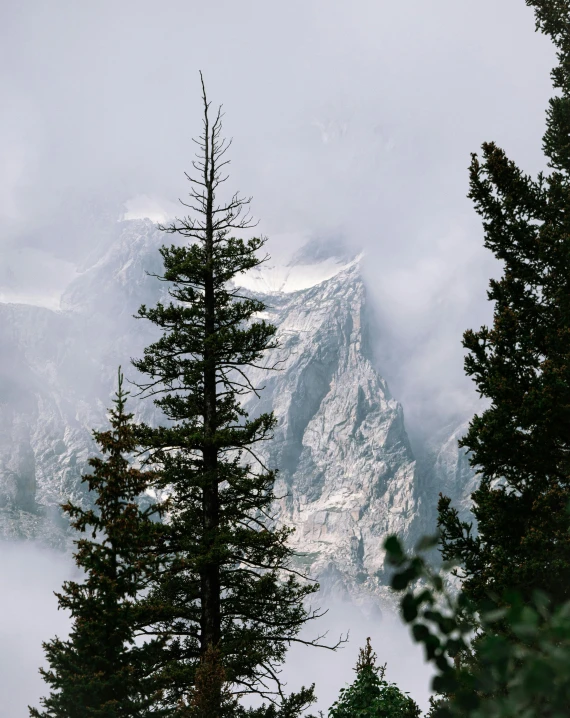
point(210, 575)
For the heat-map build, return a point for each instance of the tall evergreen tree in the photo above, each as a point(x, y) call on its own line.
point(230, 584)
point(99, 671)
point(521, 443)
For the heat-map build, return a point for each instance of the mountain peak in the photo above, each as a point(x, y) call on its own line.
point(317, 261)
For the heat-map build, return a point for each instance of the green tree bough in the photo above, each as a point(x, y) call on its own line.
point(521, 665)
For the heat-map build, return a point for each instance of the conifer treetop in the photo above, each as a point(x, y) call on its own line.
point(230, 581)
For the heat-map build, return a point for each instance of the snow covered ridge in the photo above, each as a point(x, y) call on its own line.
point(340, 444)
point(283, 279)
point(315, 261)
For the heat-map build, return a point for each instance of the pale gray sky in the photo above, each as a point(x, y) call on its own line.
point(352, 119)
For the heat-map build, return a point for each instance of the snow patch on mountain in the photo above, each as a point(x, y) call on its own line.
point(275, 279)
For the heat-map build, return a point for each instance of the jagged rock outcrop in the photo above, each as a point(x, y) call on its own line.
point(340, 444)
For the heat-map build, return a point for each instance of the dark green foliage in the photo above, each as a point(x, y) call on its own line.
point(211, 696)
point(520, 672)
point(370, 696)
point(521, 443)
point(228, 582)
point(99, 671)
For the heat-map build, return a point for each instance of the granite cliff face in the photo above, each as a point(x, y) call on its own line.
point(340, 444)
point(346, 468)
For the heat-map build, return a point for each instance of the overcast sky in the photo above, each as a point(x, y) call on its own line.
point(350, 119)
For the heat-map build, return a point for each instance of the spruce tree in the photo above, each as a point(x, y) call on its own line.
point(521, 444)
point(370, 695)
point(230, 586)
point(99, 671)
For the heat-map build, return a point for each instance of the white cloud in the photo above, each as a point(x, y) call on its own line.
point(157, 210)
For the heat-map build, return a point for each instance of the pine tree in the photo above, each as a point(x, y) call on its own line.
point(230, 585)
point(370, 696)
point(521, 444)
point(99, 671)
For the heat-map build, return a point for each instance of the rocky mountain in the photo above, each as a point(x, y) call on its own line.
point(341, 446)
point(346, 468)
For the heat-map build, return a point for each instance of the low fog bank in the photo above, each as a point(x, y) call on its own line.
point(28, 616)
